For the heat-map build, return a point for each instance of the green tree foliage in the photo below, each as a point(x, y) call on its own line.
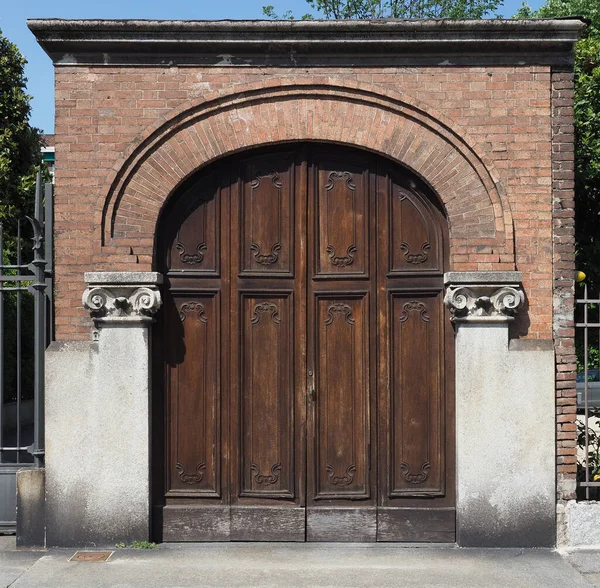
point(20, 143)
point(372, 9)
point(19, 157)
point(587, 192)
point(587, 131)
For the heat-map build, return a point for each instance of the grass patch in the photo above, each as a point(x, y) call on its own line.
point(137, 545)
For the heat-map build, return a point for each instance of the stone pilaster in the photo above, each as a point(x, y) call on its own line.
point(98, 417)
point(504, 417)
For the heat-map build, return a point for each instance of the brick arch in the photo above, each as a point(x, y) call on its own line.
point(374, 119)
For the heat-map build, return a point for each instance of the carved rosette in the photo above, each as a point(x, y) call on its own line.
point(122, 303)
point(484, 302)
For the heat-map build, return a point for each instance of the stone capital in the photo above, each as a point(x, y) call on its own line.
point(484, 297)
point(122, 298)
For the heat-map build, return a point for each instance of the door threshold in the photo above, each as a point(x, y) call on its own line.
point(304, 545)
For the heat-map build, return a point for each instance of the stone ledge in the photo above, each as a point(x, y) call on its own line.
point(531, 345)
point(242, 42)
point(72, 347)
point(483, 278)
point(573, 24)
point(123, 278)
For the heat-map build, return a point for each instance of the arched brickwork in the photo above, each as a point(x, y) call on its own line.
point(367, 117)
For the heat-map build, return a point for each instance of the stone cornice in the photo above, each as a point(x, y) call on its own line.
point(122, 298)
point(483, 297)
point(299, 43)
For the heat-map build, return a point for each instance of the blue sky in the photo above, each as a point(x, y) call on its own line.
point(39, 71)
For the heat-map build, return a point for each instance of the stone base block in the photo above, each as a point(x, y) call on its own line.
point(581, 525)
point(31, 508)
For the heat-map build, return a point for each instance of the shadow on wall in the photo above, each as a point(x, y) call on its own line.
point(520, 326)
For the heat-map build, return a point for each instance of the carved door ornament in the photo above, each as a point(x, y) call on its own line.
point(415, 478)
point(274, 176)
point(191, 258)
point(344, 480)
point(341, 260)
point(196, 307)
point(266, 307)
point(190, 478)
point(336, 176)
point(415, 258)
point(414, 306)
point(268, 479)
point(265, 259)
point(337, 308)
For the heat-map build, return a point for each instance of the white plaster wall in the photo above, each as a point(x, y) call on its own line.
point(97, 439)
point(505, 422)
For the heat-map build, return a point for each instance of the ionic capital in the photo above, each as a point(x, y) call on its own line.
point(484, 297)
point(122, 297)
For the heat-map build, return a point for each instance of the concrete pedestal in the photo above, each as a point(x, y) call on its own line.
point(505, 414)
point(98, 419)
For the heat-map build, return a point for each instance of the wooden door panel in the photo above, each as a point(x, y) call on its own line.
point(415, 480)
point(416, 463)
point(342, 215)
point(306, 269)
point(194, 339)
point(267, 211)
point(196, 246)
point(414, 240)
point(342, 398)
point(267, 396)
point(267, 330)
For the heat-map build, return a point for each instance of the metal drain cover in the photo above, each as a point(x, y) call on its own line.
point(91, 555)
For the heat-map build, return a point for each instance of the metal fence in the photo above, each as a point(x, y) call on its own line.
point(587, 340)
point(26, 328)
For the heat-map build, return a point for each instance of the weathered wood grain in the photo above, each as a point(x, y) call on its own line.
point(350, 524)
point(436, 525)
point(192, 523)
point(267, 523)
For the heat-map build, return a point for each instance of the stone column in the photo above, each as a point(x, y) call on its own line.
point(505, 438)
point(98, 417)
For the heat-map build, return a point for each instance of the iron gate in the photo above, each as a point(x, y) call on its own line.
point(587, 325)
point(25, 331)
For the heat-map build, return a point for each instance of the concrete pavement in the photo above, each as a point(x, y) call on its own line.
point(300, 565)
point(587, 562)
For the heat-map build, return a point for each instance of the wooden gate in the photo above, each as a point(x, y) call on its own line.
point(304, 357)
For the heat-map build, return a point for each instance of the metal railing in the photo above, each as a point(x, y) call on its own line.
point(587, 327)
point(26, 328)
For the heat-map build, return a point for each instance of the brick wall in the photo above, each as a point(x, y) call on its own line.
point(503, 113)
point(563, 238)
